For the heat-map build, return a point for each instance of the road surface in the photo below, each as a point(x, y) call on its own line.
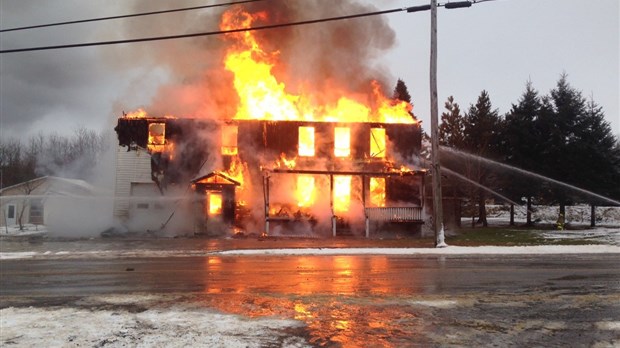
point(359, 300)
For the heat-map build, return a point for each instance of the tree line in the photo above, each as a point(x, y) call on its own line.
point(548, 149)
point(72, 156)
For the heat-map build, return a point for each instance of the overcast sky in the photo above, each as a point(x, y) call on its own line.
point(494, 46)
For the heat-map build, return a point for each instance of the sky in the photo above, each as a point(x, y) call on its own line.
point(495, 46)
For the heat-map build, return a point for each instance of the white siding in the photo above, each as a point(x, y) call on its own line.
point(131, 167)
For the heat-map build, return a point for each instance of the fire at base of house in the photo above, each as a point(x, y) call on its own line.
point(272, 177)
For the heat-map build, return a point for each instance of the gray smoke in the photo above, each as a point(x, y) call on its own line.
point(338, 56)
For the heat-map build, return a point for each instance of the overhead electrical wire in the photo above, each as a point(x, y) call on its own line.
point(238, 30)
point(127, 15)
point(209, 33)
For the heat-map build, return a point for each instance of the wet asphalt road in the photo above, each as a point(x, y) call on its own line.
point(328, 275)
point(365, 300)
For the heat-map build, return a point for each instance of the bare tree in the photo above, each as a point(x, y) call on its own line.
point(27, 188)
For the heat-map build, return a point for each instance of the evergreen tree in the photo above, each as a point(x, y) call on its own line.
point(578, 149)
point(558, 154)
point(401, 92)
point(481, 130)
point(451, 129)
point(520, 147)
point(597, 154)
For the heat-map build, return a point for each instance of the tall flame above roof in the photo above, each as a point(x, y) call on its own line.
point(263, 96)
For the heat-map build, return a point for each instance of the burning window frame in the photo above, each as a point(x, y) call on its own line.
point(306, 143)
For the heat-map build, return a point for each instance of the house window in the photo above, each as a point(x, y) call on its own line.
point(377, 192)
point(342, 193)
point(377, 142)
point(342, 142)
point(214, 203)
point(229, 140)
point(10, 214)
point(157, 137)
point(306, 141)
point(36, 212)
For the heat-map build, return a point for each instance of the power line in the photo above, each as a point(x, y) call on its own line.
point(127, 16)
point(209, 33)
point(221, 32)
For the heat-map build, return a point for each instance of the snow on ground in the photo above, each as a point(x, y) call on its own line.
point(450, 250)
point(576, 215)
point(26, 230)
point(177, 326)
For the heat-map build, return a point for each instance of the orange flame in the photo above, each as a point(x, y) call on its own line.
point(140, 113)
point(342, 193)
point(283, 162)
point(377, 192)
point(214, 203)
point(305, 192)
point(263, 97)
point(342, 141)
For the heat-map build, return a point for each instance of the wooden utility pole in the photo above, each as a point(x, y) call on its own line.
point(435, 168)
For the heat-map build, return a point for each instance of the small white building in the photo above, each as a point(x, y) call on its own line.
point(51, 200)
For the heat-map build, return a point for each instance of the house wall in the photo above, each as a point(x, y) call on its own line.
point(21, 195)
point(131, 167)
point(259, 143)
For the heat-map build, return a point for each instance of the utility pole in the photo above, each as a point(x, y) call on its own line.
point(435, 168)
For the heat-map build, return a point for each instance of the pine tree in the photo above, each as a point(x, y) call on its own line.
point(578, 149)
point(559, 161)
point(481, 130)
point(401, 92)
point(451, 129)
point(597, 153)
point(520, 147)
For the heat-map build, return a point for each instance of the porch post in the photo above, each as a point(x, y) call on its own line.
point(331, 203)
point(266, 199)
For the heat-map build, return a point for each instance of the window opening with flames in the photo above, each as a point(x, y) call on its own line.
point(306, 141)
point(214, 203)
point(229, 140)
point(377, 192)
point(342, 193)
point(377, 142)
point(157, 137)
point(342, 141)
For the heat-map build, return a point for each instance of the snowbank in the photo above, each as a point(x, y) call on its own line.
point(451, 250)
point(161, 327)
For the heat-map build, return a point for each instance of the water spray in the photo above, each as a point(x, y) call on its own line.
point(528, 173)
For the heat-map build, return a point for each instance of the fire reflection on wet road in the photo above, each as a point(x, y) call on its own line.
point(361, 300)
point(340, 298)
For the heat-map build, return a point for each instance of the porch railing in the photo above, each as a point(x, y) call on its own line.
point(395, 214)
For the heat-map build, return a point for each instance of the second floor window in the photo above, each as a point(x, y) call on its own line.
point(342, 142)
point(306, 141)
point(377, 142)
point(229, 140)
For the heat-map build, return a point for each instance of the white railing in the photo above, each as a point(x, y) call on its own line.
point(395, 214)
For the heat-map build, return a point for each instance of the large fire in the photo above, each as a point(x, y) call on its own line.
point(263, 97)
point(261, 94)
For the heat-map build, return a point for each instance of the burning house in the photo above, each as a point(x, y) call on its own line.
point(272, 161)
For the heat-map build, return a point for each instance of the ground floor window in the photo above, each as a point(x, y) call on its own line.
point(10, 214)
point(36, 212)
